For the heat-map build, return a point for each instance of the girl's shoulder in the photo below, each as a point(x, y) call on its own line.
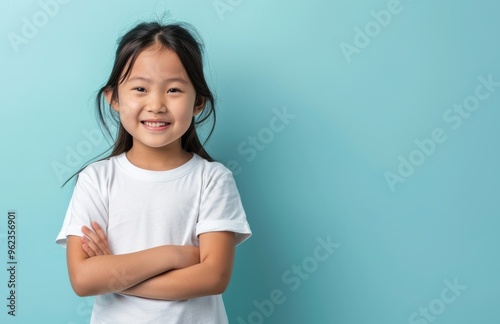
point(99, 169)
point(212, 168)
point(101, 164)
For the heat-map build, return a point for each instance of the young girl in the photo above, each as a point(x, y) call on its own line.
point(151, 230)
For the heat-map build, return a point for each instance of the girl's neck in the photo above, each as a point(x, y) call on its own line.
point(157, 159)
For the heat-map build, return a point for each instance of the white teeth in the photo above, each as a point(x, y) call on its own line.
point(154, 124)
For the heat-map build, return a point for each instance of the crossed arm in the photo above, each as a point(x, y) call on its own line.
point(167, 272)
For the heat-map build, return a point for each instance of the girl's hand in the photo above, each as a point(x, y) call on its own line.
point(95, 242)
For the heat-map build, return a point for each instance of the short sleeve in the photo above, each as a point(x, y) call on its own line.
point(86, 205)
point(221, 209)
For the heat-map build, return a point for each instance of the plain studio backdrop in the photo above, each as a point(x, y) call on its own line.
point(362, 135)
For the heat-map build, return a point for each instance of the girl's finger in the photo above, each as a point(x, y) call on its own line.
point(92, 236)
point(92, 246)
point(98, 230)
point(88, 250)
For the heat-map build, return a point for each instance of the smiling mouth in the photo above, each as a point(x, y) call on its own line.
point(155, 124)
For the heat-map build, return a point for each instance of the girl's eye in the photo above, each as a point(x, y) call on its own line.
point(140, 89)
point(173, 90)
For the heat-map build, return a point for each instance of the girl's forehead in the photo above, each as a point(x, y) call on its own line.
point(158, 61)
point(161, 57)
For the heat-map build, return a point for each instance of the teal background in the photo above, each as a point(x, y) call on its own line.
point(322, 175)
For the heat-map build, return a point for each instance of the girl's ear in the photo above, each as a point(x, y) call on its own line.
point(108, 93)
point(199, 104)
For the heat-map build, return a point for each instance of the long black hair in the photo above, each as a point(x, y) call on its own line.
point(177, 38)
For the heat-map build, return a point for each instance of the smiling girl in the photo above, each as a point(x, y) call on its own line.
point(151, 230)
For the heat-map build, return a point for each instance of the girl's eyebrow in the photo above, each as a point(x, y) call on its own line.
point(173, 79)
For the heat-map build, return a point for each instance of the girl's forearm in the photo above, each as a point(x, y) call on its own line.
point(210, 277)
point(191, 282)
point(110, 273)
point(113, 273)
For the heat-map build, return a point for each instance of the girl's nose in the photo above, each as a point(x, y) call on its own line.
point(157, 105)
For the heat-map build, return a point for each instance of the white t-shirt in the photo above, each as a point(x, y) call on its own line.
point(140, 209)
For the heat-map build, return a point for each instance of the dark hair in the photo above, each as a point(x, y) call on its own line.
point(179, 39)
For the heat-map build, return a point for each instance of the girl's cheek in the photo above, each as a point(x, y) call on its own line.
point(133, 102)
point(136, 104)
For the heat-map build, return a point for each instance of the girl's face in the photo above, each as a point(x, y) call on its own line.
point(156, 102)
